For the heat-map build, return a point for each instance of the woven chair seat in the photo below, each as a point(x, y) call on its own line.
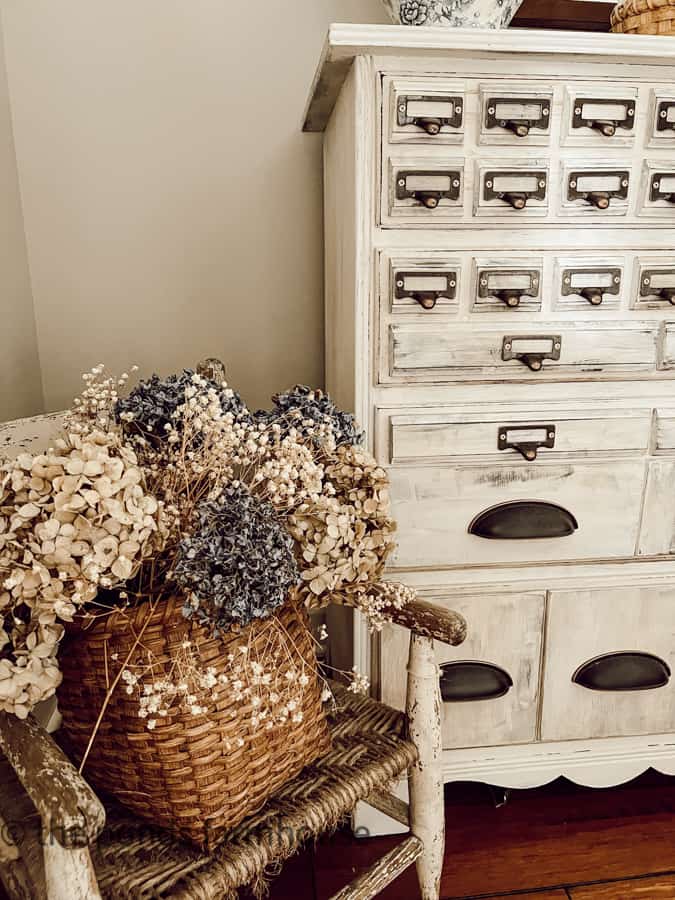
point(136, 861)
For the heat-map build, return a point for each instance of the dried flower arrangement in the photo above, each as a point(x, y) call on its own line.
point(177, 489)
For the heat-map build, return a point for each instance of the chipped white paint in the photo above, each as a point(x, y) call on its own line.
point(31, 435)
point(69, 874)
point(432, 387)
point(383, 872)
point(427, 813)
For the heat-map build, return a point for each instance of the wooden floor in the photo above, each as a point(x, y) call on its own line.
point(556, 843)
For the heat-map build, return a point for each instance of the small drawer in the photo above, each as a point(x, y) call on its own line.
point(609, 658)
point(655, 284)
point(662, 118)
point(434, 437)
point(425, 112)
point(490, 684)
point(665, 431)
point(501, 286)
point(658, 189)
point(585, 283)
point(593, 116)
point(595, 190)
point(426, 190)
point(517, 512)
point(516, 189)
point(657, 534)
point(516, 114)
point(420, 353)
point(417, 287)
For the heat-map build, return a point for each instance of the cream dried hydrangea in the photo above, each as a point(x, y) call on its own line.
point(346, 536)
point(72, 520)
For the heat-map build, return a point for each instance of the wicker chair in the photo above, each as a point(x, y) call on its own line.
point(58, 842)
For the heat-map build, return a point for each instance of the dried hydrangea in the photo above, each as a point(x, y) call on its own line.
point(153, 406)
point(238, 563)
point(345, 539)
point(71, 520)
point(313, 415)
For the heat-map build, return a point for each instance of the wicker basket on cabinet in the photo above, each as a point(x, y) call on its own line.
point(644, 17)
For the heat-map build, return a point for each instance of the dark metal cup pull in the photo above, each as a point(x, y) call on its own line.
point(427, 299)
point(429, 197)
point(532, 358)
point(657, 192)
point(664, 120)
point(528, 446)
point(516, 198)
point(520, 123)
point(623, 671)
point(523, 520)
point(606, 125)
point(432, 124)
point(468, 681)
point(600, 198)
point(593, 293)
point(647, 288)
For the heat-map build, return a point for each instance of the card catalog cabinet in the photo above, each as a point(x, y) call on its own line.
point(500, 314)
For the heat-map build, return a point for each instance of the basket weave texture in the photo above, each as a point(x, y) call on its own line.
point(644, 17)
point(191, 775)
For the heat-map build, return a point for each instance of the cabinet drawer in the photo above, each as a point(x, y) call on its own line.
point(596, 117)
point(599, 190)
point(422, 189)
point(658, 189)
point(430, 437)
point(491, 682)
point(516, 513)
point(430, 111)
point(609, 653)
point(431, 353)
point(517, 189)
point(516, 114)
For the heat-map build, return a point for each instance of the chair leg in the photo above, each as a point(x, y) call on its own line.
point(427, 813)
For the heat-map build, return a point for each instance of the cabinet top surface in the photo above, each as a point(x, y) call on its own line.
point(345, 42)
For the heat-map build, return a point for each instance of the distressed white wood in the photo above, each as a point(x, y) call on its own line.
point(372, 882)
point(434, 508)
point(69, 873)
point(585, 624)
point(31, 435)
point(435, 389)
point(505, 630)
point(427, 809)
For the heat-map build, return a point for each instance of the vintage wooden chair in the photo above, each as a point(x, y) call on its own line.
point(58, 842)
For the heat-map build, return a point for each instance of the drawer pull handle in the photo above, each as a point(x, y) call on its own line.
point(508, 285)
point(624, 671)
point(518, 114)
point(520, 520)
point(605, 115)
point(591, 284)
point(598, 188)
point(528, 349)
point(426, 296)
point(650, 284)
point(443, 185)
point(665, 117)
point(663, 187)
point(509, 296)
point(533, 437)
point(431, 121)
point(468, 681)
point(515, 187)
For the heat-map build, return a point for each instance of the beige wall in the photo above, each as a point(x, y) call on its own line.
point(172, 206)
point(20, 384)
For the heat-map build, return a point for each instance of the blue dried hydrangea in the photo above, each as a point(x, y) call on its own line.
point(153, 402)
point(295, 407)
point(238, 565)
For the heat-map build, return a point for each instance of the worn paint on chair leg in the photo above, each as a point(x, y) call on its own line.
point(427, 816)
point(69, 873)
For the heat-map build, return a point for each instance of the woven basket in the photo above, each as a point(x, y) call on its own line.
point(644, 17)
point(192, 774)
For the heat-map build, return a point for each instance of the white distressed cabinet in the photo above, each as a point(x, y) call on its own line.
point(500, 314)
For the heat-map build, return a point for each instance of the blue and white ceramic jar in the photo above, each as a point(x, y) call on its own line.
point(454, 13)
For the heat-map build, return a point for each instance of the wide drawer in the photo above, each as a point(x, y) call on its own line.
point(609, 656)
point(490, 684)
point(430, 352)
point(466, 515)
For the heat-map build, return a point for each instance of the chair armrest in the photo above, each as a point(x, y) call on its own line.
point(70, 811)
point(430, 620)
